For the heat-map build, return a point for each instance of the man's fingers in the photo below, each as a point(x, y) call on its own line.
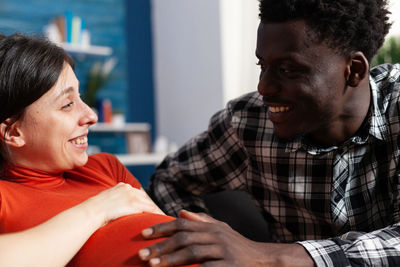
point(217, 263)
point(188, 255)
point(176, 242)
point(200, 217)
point(169, 228)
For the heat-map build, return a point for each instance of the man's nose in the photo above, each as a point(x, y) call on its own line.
point(267, 86)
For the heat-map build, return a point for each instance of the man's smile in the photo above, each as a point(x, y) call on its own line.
point(278, 109)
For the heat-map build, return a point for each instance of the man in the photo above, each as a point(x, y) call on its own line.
point(317, 148)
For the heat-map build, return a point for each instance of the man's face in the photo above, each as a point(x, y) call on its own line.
point(302, 82)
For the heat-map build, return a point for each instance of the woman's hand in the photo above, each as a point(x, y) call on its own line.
point(121, 200)
point(72, 228)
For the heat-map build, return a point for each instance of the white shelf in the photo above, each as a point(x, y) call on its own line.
point(141, 159)
point(123, 128)
point(138, 140)
point(87, 50)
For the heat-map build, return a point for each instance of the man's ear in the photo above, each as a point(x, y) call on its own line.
point(357, 69)
point(11, 134)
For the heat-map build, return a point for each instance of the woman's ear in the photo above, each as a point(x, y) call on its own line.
point(357, 69)
point(11, 134)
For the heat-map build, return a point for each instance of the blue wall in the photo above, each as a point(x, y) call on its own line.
point(123, 25)
point(140, 78)
point(105, 19)
point(140, 62)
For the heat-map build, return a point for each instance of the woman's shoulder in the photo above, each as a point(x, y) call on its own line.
point(103, 167)
point(110, 166)
point(102, 158)
point(99, 166)
point(103, 162)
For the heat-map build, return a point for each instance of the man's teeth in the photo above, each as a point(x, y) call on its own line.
point(278, 109)
point(80, 140)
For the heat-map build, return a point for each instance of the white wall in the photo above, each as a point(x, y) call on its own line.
point(187, 60)
point(395, 17)
point(193, 79)
point(239, 23)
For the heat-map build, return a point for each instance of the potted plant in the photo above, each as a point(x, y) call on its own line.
point(99, 74)
point(389, 52)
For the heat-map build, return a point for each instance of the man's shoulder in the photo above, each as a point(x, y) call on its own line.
point(386, 72)
point(247, 111)
point(249, 101)
point(385, 85)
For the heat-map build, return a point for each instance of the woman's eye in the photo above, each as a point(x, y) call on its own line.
point(69, 105)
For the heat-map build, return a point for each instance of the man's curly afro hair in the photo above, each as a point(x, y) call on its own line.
point(345, 25)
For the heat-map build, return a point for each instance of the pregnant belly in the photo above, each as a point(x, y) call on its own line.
point(118, 243)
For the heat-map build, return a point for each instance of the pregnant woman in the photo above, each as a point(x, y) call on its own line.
point(58, 205)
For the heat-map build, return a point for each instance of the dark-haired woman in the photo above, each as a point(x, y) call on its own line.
point(47, 180)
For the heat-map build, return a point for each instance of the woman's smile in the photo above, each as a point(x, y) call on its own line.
point(80, 141)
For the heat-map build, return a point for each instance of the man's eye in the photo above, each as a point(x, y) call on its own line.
point(292, 72)
point(69, 105)
point(286, 70)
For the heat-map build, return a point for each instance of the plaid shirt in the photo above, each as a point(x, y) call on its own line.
point(344, 201)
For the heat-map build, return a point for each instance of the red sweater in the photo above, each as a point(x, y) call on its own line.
point(29, 197)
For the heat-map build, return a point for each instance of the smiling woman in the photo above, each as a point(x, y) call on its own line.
point(47, 180)
point(56, 123)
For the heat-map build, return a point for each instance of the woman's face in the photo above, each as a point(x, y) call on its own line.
point(55, 127)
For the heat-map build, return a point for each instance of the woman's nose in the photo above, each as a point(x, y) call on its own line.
point(88, 115)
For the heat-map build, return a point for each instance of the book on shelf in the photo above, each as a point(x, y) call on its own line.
point(60, 24)
point(68, 28)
